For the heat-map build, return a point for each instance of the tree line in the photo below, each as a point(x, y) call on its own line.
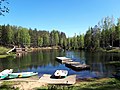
point(13, 35)
point(105, 34)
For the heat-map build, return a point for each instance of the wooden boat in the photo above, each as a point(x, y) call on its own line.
point(5, 73)
point(60, 73)
point(21, 75)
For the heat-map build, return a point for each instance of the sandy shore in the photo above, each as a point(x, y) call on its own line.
point(25, 83)
point(28, 85)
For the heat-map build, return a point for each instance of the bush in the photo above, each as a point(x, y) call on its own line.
point(3, 50)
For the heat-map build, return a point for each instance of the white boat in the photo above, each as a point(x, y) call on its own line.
point(61, 73)
point(5, 73)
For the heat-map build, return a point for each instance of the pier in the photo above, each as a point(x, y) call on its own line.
point(76, 66)
point(63, 60)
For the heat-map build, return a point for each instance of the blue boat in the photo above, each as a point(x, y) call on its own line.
point(21, 75)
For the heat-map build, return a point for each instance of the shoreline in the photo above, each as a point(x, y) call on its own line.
point(31, 49)
point(81, 84)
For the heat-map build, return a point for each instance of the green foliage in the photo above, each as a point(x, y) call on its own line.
point(23, 36)
point(56, 39)
point(102, 84)
point(88, 39)
point(107, 34)
point(103, 35)
point(40, 41)
point(3, 50)
point(46, 40)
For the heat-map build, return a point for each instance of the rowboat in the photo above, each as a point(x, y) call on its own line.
point(61, 73)
point(5, 73)
point(21, 75)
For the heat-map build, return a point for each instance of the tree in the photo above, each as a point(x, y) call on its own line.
point(34, 37)
point(65, 43)
point(0, 34)
point(118, 31)
point(107, 24)
point(112, 34)
point(62, 39)
point(95, 37)
point(7, 34)
point(3, 7)
point(88, 39)
point(69, 43)
point(103, 38)
point(52, 41)
point(23, 37)
point(81, 41)
point(56, 37)
point(46, 40)
point(40, 41)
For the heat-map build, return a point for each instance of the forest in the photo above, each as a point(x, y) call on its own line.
point(103, 35)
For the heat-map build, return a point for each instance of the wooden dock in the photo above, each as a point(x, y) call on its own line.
point(63, 60)
point(69, 80)
point(72, 63)
point(76, 66)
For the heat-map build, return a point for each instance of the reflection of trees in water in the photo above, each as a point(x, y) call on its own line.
point(43, 58)
point(36, 59)
point(98, 62)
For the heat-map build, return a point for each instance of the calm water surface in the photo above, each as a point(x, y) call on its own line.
point(44, 62)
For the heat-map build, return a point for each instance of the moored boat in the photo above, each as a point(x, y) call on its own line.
point(22, 74)
point(60, 73)
point(5, 73)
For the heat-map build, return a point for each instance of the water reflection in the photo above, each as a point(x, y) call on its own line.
point(43, 61)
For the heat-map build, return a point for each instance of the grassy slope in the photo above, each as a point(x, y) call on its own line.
point(3, 51)
point(93, 84)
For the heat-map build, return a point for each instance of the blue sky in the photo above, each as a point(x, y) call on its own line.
point(69, 16)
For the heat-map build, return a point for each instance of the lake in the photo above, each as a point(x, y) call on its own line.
point(44, 62)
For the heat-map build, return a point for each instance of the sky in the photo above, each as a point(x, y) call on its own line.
point(69, 16)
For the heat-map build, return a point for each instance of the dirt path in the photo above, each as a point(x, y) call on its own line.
point(28, 85)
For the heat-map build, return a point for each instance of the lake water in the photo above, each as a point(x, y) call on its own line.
point(44, 62)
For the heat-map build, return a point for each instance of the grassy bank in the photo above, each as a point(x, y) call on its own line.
point(108, 51)
point(8, 86)
point(88, 84)
point(93, 84)
point(3, 50)
point(3, 53)
point(114, 50)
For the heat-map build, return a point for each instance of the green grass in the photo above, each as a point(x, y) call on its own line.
point(100, 84)
point(114, 51)
point(90, 84)
point(116, 63)
point(8, 86)
point(8, 55)
point(3, 50)
point(3, 56)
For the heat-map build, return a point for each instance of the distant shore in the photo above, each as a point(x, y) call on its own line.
point(3, 50)
point(44, 48)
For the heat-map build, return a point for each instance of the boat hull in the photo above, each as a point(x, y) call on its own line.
point(4, 73)
point(21, 75)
